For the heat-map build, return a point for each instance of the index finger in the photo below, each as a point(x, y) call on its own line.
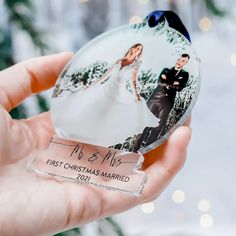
point(31, 76)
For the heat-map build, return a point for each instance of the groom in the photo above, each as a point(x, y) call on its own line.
point(162, 100)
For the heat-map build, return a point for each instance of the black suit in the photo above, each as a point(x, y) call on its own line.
point(160, 104)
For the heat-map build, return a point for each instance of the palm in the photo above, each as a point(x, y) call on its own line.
point(43, 205)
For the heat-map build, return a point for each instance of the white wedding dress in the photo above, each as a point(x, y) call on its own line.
point(103, 114)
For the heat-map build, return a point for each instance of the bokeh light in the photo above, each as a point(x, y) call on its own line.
point(178, 196)
point(204, 205)
point(233, 59)
point(143, 1)
point(135, 20)
point(206, 221)
point(147, 208)
point(205, 24)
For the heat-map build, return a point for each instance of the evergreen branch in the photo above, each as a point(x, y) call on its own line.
point(115, 226)
point(13, 3)
point(21, 14)
point(77, 232)
point(215, 9)
point(42, 103)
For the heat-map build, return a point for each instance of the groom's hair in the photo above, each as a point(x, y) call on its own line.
point(185, 55)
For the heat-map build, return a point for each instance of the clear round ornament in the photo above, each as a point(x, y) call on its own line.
point(128, 88)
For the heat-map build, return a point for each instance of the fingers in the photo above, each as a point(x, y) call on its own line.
point(23, 135)
point(169, 159)
point(31, 76)
point(188, 121)
point(42, 129)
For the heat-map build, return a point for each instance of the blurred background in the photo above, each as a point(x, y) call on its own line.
point(201, 199)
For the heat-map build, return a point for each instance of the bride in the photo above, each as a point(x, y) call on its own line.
point(110, 110)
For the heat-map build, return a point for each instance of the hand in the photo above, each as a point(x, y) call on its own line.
point(36, 205)
point(176, 83)
point(163, 76)
point(86, 86)
point(138, 97)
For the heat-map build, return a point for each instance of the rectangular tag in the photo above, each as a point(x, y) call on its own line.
point(89, 164)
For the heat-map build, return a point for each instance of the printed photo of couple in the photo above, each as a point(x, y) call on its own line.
point(119, 105)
